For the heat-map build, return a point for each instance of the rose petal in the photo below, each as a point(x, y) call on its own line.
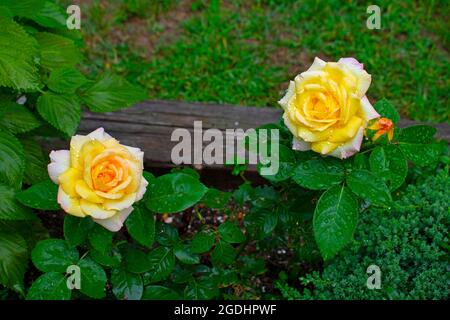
point(60, 162)
point(120, 204)
point(68, 204)
point(349, 148)
point(300, 145)
point(368, 110)
point(318, 64)
point(95, 210)
point(99, 134)
point(352, 62)
point(364, 79)
point(288, 96)
point(115, 223)
point(136, 153)
point(142, 188)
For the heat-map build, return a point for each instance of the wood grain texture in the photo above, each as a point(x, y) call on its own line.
point(149, 125)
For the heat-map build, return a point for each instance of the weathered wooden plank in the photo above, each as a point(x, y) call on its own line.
point(149, 125)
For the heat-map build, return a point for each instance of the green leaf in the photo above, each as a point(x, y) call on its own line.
point(216, 199)
point(141, 226)
point(243, 193)
point(223, 252)
point(13, 259)
point(202, 242)
point(40, 196)
point(50, 16)
point(387, 110)
point(318, 174)
point(417, 134)
point(286, 164)
point(61, 111)
point(57, 51)
point(53, 255)
point(65, 80)
point(369, 186)
point(360, 161)
point(163, 261)
point(12, 162)
point(159, 293)
point(100, 238)
point(167, 235)
point(35, 161)
point(201, 289)
point(136, 261)
point(93, 279)
point(18, 68)
point(174, 192)
point(10, 208)
point(49, 286)
point(126, 285)
point(231, 233)
point(17, 118)
point(389, 163)
point(416, 144)
point(334, 220)
point(111, 258)
point(421, 154)
point(112, 93)
point(76, 229)
point(24, 8)
point(184, 254)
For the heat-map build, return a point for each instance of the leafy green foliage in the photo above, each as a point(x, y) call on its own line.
point(65, 80)
point(203, 241)
point(335, 220)
point(126, 285)
point(49, 286)
point(10, 208)
point(389, 163)
point(318, 174)
point(49, 106)
point(76, 230)
point(41, 196)
point(174, 192)
point(141, 225)
point(369, 186)
point(17, 118)
point(53, 255)
point(18, 67)
point(13, 160)
point(408, 243)
point(111, 93)
point(13, 258)
point(93, 278)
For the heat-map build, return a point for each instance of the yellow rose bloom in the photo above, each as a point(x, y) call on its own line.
point(326, 107)
point(98, 177)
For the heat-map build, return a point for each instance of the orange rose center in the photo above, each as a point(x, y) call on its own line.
point(109, 173)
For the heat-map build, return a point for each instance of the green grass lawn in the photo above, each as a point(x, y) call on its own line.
point(244, 52)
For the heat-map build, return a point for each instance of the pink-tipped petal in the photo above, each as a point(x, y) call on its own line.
point(300, 145)
point(357, 68)
point(115, 223)
point(60, 162)
point(99, 134)
point(352, 62)
point(368, 110)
